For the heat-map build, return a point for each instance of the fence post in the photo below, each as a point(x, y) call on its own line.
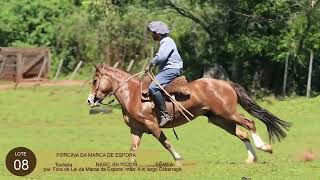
point(284, 85)
point(58, 70)
point(309, 74)
point(75, 70)
point(19, 67)
point(130, 65)
point(116, 64)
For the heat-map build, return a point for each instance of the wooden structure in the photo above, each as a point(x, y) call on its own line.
point(24, 64)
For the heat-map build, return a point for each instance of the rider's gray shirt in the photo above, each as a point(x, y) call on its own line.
point(166, 45)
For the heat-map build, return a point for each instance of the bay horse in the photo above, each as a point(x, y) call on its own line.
point(215, 99)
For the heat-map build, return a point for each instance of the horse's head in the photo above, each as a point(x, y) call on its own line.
point(101, 86)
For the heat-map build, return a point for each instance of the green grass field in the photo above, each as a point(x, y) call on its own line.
point(56, 119)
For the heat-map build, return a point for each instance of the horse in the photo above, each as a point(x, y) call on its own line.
point(213, 98)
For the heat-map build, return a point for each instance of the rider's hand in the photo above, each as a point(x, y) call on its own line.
point(148, 68)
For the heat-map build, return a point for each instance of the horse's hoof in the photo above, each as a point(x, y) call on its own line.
point(251, 160)
point(179, 163)
point(132, 160)
point(266, 148)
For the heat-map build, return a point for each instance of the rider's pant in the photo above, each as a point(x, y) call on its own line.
point(164, 78)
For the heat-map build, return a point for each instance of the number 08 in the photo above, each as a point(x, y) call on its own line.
point(18, 164)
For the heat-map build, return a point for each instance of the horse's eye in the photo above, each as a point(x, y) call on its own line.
point(94, 81)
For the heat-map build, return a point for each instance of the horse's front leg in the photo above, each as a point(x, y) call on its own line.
point(136, 135)
point(157, 132)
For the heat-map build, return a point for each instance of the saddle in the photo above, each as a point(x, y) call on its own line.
point(178, 87)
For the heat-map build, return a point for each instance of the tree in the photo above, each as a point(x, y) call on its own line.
point(253, 37)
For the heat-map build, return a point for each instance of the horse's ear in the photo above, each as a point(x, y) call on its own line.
point(97, 68)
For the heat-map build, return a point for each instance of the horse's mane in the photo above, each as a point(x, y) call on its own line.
point(119, 74)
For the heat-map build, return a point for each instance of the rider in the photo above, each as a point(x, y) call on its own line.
point(170, 66)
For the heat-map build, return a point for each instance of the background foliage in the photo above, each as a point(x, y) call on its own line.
point(249, 39)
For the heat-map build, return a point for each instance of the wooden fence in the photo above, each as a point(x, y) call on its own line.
point(24, 64)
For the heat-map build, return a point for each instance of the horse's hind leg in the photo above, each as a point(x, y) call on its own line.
point(231, 128)
point(249, 124)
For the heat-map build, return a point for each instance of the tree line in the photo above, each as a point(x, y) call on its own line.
point(266, 46)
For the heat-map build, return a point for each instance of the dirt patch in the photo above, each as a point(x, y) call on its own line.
point(307, 155)
point(12, 85)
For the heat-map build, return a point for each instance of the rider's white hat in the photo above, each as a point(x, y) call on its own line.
point(158, 27)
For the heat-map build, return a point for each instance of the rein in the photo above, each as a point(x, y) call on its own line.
point(112, 93)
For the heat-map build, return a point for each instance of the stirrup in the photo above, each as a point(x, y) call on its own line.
point(164, 118)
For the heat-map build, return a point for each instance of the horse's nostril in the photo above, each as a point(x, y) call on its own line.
point(88, 101)
point(95, 99)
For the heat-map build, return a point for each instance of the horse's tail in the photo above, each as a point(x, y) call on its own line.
point(275, 126)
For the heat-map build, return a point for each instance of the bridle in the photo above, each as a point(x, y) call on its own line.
point(101, 74)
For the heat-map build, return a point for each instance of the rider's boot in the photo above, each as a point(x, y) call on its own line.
point(161, 108)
